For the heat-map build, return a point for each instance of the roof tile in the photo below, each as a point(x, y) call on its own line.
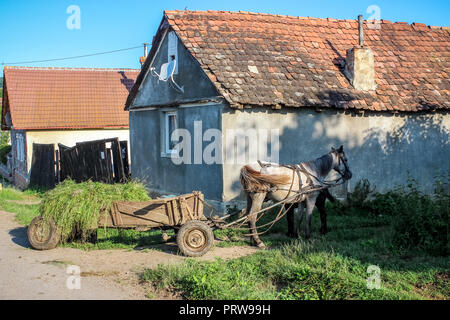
point(67, 98)
point(301, 60)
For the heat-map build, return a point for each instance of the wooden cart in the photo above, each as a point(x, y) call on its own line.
point(183, 213)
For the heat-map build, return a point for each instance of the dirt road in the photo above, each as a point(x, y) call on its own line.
point(104, 274)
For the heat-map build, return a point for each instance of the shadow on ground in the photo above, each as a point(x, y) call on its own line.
point(19, 236)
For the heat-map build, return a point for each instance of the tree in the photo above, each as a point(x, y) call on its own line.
point(4, 135)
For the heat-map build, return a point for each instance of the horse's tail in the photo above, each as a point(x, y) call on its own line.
point(255, 181)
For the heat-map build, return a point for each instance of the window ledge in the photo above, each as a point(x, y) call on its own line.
point(169, 155)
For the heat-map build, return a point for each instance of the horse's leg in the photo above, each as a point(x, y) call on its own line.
point(301, 208)
point(249, 206)
point(329, 196)
point(310, 203)
point(257, 201)
point(320, 204)
point(290, 219)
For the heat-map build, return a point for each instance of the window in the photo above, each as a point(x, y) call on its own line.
point(170, 126)
point(172, 52)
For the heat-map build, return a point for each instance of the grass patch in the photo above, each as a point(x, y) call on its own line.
point(9, 193)
point(75, 207)
point(120, 239)
point(24, 212)
point(334, 266)
point(330, 267)
point(58, 263)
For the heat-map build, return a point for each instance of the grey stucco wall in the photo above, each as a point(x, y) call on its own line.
point(380, 147)
point(190, 76)
point(157, 170)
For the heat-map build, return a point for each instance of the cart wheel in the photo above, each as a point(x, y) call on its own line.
point(195, 238)
point(43, 235)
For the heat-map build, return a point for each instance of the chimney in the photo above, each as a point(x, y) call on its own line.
point(142, 59)
point(359, 63)
point(145, 49)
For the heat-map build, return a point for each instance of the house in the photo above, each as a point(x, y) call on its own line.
point(62, 105)
point(294, 86)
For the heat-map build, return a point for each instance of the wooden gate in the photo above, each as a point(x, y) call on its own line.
point(99, 160)
point(43, 166)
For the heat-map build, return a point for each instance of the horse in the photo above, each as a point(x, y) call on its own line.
point(290, 183)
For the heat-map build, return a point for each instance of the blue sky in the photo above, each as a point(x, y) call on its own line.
point(36, 30)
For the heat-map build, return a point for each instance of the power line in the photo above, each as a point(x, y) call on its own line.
point(74, 57)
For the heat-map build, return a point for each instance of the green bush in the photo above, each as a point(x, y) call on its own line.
point(421, 221)
point(385, 203)
point(361, 192)
point(4, 150)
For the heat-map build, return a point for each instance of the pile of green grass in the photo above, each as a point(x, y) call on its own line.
point(75, 207)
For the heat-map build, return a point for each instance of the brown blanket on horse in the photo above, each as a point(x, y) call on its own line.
point(255, 181)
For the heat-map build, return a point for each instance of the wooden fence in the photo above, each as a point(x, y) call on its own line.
point(43, 166)
point(100, 160)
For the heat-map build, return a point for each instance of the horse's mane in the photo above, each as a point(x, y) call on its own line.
point(322, 165)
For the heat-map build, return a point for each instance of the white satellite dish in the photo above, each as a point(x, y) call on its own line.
point(163, 75)
point(167, 70)
point(166, 73)
point(171, 67)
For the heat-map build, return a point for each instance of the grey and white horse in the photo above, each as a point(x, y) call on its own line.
point(280, 182)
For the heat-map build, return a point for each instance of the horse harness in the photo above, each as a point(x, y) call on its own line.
point(296, 169)
point(300, 168)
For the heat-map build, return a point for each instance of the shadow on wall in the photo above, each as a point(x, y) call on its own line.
point(419, 147)
point(381, 147)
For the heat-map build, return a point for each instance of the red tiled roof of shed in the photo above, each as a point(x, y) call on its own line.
point(66, 98)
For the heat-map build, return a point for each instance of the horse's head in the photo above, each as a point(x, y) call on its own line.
point(340, 163)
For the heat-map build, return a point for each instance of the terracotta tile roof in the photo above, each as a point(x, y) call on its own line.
point(257, 59)
point(67, 98)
